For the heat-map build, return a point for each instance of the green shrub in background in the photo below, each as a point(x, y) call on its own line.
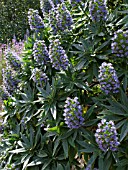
point(13, 18)
point(66, 97)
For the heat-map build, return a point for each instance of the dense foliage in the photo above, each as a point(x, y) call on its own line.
point(13, 18)
point(66, 96)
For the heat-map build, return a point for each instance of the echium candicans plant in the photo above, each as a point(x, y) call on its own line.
point(55, 111)
point(73, 114)
point(35, 21)
point(57, 55)
point(60, 19)
point(40, 52)
point(108, 79)
point(119, 44)
point(98, 10)
point(106, 136)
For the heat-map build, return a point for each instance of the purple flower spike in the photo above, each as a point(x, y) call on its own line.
point(13, 60)
point(98, 10)
point(119, 44)
point(10, 83)
point(35, 21)
point(58, 56)
point(40, 52)
point(47, 5)
point(108, 79)
point(106, 137)
point(73, 113)
point(60, 19)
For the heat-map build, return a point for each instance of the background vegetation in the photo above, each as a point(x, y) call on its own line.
point(13, 18)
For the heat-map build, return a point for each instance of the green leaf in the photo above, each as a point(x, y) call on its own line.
point(20, 150)
point(119, 124)
point(86, 44)
point(81, 64)
point(26, 141)
point(67, 134)
point(56, 144)
point(89, 150)
point(113, 110)
point(122, 21)
point(82, 143)
point(81, 85)
point(59, 167)
point(20, 144)
point(53, 111)
point(88, 135)
point(61, 157)
point(125, 82)
point(93, 158)
point(90, 73)
point(90, 111)
point(102, 46)
point(107, 162)
point(43, 92)
point(46, 164)
point(101, 163)
point(36, 161)
point(71, 141)
point(38, 135)
point(124, 131)
point(31, 136)
point(113, 117)
point(89, 147)
point(67, 166)
point(124, 98)
point(79, 47)
point(122, 163)
point(69, 87)
point(42, 154)
point(95, 69)
point(65, 147)
point(26, 161)
point(91, 122)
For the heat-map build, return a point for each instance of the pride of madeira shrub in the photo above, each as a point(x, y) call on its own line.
point(65, 97)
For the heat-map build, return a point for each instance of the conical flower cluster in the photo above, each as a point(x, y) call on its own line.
point(106, 136)
point(73, 113)
point(40, 52)
point(108, 79)
point(57, 55)
point(39, 77)
point(10, 83)
point(47, 5)
point(35, 21)
point(119, 45)
point(12, 59)
point(60, 19)
point(98, 10)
